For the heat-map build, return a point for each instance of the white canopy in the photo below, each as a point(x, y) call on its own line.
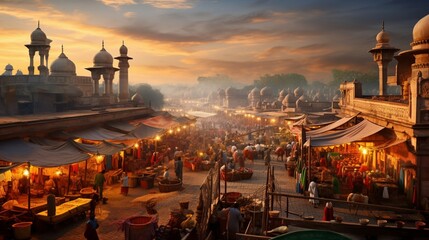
point(352, 134)
point(331, 126)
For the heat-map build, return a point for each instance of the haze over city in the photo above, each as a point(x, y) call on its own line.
point(176, 41)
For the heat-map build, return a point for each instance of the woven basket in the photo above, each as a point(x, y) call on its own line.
point(169, 185)
point(235, 176)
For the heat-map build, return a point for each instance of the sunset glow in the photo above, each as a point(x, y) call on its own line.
point(176, 41)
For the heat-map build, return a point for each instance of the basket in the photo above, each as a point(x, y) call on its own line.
point(139, 227)
point(22, 230)
point(235, 176)
point(169, 185)
point(231, 197)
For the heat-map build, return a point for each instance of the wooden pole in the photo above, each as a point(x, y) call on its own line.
point(68, 183)
point(266, 202)
point(28, 187)
point(86, 168)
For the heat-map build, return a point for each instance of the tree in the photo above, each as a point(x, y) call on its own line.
point(369, 80)
point(280, 81)
point(151, 97)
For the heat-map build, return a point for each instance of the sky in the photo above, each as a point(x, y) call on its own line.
point(176, 41)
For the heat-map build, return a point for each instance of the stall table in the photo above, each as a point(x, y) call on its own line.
point(36, 204)
point(65, 211)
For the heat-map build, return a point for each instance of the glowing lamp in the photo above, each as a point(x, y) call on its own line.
point(364, 151)
point(157, 138)
point(136, 145)
point(58, 172)
point(26, 172)
point(170, 131)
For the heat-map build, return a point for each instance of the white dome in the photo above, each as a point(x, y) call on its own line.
point(421, 32)
point(63, 66)
point(38, 37)
point(103, 59)
point(266, 92)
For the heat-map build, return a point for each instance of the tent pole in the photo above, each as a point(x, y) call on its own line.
point(86, 168)
point(28, 187)
point(68, 183)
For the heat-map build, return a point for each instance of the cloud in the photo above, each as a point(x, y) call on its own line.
point(129, 14)
point(117, 3)
point(176, 4)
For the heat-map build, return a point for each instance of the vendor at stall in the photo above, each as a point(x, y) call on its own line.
point(50, 185)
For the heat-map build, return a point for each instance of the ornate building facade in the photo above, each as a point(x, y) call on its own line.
point(406, 114)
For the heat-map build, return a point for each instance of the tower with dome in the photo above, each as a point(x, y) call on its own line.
point(58, 88)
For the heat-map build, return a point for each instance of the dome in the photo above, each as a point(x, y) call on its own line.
point(421, 31)
point(382, 37)
point(123, 50)
point(298, 92)
point(231, 91)
point(8, 67)
point(266, 92)
point(254, 93)
point(63, 66)
point(103, 58)
point(283, 93)
point(18, 72)
point(38, 36)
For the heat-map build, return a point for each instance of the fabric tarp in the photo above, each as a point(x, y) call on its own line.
point(145, 131)
point(352, 134)
point(100, 134)
point(201, 114)
point(331, 126)
point(20, 151)
point(161, 121)
point(103, 148)
point(7, 168)
point(122, 126)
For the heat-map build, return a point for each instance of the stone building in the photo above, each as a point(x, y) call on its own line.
point(407, 115)
point(59, 88)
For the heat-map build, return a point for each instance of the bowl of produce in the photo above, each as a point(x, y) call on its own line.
point(364, 221)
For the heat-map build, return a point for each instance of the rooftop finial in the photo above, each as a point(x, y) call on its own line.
point(102, 44)
point(123, 42)
point(38, 23)
point(62, 48)
point(382, 26)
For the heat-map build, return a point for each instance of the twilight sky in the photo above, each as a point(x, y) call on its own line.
point(175, 41)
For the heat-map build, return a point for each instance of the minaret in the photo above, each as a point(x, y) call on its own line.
point(40, 43)
point(383, 55)
point(103, 67)
point(124, 94)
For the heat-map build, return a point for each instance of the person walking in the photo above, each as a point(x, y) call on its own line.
point(91, 228)
point(99, 183)
point(124, 181)
point(233, 221)
point(312, 189)
point(178, 168)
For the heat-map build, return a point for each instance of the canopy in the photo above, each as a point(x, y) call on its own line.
point(352, 134)
point(161, 121)
point(201, 114)
point(20, 151)
point(100, 134)
point(145, 131)
point(331, 126)
point(122, 126)
point(103, 148)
